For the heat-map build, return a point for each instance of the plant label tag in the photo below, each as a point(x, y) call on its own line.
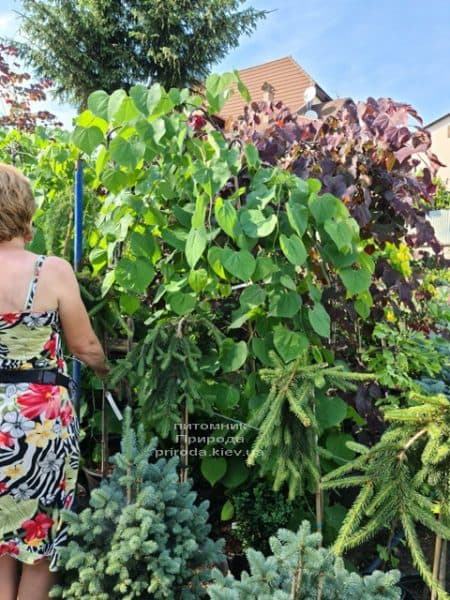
point(113, 405)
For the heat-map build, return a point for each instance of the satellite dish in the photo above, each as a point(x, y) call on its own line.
point(309, 94)
point(311, 114)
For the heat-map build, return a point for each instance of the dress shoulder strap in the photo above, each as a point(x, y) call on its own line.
point(33, 283)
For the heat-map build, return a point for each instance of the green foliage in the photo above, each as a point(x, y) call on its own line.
point(48, 159)
point(388, 555)
point(115, 44)
point(230, 280)
point(286, 445)
point(143, 535)
point(399, 355)
point(164, 369)
point(403, 478)
point(439, 383)
point(176, 191)
point(432, 312)
point(442, 197)
point(228, 270)
point(373, 174)
point(215, 264)
point(218, 260)
point(258, 513)
point(299, 569)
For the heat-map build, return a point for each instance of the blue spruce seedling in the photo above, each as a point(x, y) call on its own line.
point(300, 569)
point(142, 535)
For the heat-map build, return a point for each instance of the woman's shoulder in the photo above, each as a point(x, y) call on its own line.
point(57, 265)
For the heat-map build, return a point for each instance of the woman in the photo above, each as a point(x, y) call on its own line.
point(39, 300)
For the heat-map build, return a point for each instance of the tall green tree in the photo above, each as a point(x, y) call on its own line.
point(108, 44)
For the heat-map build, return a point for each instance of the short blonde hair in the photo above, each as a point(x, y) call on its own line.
point(17, 204)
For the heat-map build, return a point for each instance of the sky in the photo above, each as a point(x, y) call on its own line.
point(351, 48)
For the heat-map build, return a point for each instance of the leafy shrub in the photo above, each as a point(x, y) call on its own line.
point(300, 569)
point(439, 383)
point(258, 513)
point(367, 154)
point(218, 260)
point(399, 355)
point(19, 94)
point(142, 534)
point(195, 235)
point(48, 159)
point(442, 197)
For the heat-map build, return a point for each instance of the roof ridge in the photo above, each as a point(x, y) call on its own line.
point(265, 63)
point(313, 81)
point(294, 62)
point(437, 120)
point(299, 66)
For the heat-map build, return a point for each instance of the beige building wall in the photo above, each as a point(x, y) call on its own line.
point(440, 136)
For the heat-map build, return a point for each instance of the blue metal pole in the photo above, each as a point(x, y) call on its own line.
point(78, 214)
point(78, 246)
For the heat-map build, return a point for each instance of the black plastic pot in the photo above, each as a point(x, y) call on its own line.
point(412, 587)
point(93, 479)
point(238, 563)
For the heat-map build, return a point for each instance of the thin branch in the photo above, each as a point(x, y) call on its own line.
point(410, 442)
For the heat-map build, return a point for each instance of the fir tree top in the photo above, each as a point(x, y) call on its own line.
point(110, 44)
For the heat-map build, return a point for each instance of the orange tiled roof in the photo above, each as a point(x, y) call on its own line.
point(286, 76)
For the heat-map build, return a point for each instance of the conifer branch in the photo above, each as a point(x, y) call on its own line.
point(410, 442)
point(353, 518)
point(419, 559)
point(420, 433)
point(293, 391)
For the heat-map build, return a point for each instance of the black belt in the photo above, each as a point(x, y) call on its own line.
point(43, 376)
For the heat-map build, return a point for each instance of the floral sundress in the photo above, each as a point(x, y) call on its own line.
point(39, 432)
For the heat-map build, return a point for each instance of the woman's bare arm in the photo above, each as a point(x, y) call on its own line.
point(78, 333)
